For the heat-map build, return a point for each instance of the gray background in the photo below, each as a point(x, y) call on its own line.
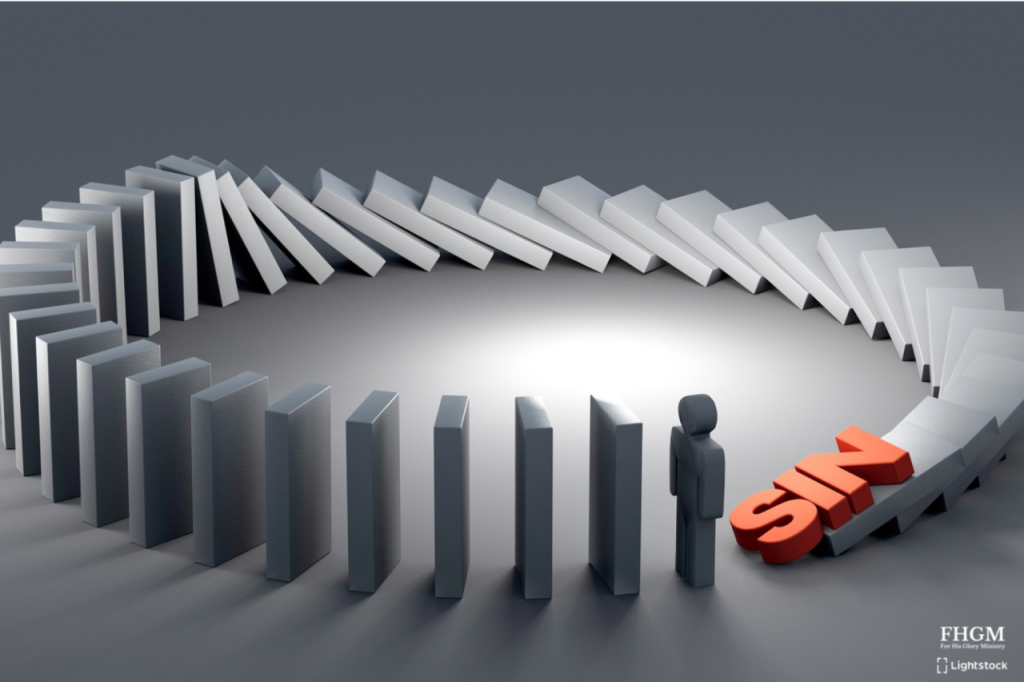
point(903, 116)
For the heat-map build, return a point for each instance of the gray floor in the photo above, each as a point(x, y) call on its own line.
point(866, 116)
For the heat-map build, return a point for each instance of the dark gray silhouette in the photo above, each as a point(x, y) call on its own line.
point(159, 415)
point(697, 479)
point(374, 502)
point(534, 450)
point(451, 497)
point(298, 444)
point(229, 488)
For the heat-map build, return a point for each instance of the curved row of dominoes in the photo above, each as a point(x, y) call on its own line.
point(102, 419)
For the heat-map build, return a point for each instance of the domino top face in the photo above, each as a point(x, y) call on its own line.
point(881, 272)
point(634, 213)
point(948, 330)
point(217, 170)
point(118, 353)
point(841, 253)
point(177, 164)
point(741, 229)
point(692, 218)
point(237, 174)
point(155, 376)
point(578, 203)
point(615, 409)
point(269, 181)
point(794, 245)
point(401, 204)
point(914, 284)
point(100, 187)
point(56, 227)
point(518, 211)
point(74, 333)
point(154, 177)
point(299, 397)
point(452, 412)
point(106, 214)
point(532, 414)
point(371, 409)
point(458, 208)
point(990, 341)
point(229, 386)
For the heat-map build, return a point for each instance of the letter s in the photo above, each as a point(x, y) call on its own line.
point(781, 529)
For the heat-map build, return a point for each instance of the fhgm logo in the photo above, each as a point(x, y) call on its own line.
point(970, 638)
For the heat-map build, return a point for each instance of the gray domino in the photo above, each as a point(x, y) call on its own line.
point(401, 204)
point(24, 327)
point(13, 299)
point(741, 230)
point(914, 284)
point(344, 203)
point(994, 385)
point(993, 342)
point(43, 253)
point(138, 248)
point(634, 213)
point(175, 203)
point(881, 273)
point(374, 500)
point(57, 356)
point(159, 428)
point(102, 427)
point(298, 447)
point(249, 249)
point(968, 310)
point(84, 235)
point(109, 251)
point(215, 270)
point(697, 479)
point(976, 432)
point(460, 210)
point(292, 201)
point(36, 274)
point(534, 497)
point(229, 488)
point(517, 210)
point(841, 253)
point(279, 228)
point(936, 463)
point(578, 203)
point(616, 467)
point(794, 245)
point(692, 219)
point(451, 497)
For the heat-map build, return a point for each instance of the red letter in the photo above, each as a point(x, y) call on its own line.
point(863, 460)
point(835, 509)
point(781, 532)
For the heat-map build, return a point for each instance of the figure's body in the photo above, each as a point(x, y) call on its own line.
point(697, 479)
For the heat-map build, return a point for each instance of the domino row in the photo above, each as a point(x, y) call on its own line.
point(209, 223)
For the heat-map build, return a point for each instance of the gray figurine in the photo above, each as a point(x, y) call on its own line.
point(697, 479)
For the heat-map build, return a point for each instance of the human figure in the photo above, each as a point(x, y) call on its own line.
point(697, 479)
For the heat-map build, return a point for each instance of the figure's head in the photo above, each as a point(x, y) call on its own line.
point(698, 414)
